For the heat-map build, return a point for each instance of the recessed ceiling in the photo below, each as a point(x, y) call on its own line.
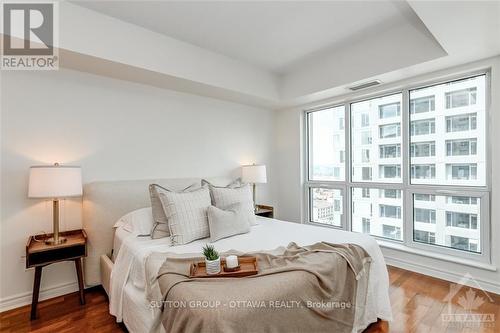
point(279, 53)
point(275, 36)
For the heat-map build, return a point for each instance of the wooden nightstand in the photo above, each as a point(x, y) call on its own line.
point(39, 254)
point(265, 211)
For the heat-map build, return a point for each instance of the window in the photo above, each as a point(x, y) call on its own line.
point(366, 143)
point(461, 220)
point(367, 173)
point(424, 236)
point(423, 171)
point(366, 138)
point(423, 149)
point(381, 207)
point(391, 194)
point(422, 104)
point(390, 151)
point(462, 200)
point(459, 98)
point(390, 131)
point(326, 206)
point(336, 205)
point(366, 225)
point(463, 243)
point(365, 155)
point(393, 212)
point(417, 178)
point(424, 197)
point(447, 219)
point(391, 231)
point(454, 131)
point(461, 147)
point(336, 172)
point(389, 110)
point(425, 215)
point(365, 120)
point(322, 157)
point(461, 171)
point(341, 123)
point(390, 171)
point(423, 127)
point(461, 123)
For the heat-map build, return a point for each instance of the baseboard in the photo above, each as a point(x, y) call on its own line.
point(22, 299)
point(440, 274)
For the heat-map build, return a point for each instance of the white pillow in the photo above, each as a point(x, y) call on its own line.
point(224, 197)
point(225, 223)
point(186, 214)
point(138, 222)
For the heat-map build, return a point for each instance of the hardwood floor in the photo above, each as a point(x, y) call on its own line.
point(418, 303)
point(64, 314)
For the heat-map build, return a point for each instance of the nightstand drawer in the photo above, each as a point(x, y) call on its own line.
point(44, 257)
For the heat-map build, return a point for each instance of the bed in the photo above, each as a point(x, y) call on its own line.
point(130, 257)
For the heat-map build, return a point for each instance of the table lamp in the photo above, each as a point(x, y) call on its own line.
point(254, 174)
point(55, 182)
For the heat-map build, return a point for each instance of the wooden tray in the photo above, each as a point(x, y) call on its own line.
point(248, 266)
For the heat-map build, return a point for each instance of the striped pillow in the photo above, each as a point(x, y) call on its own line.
point(186, 214)
point(160, 225)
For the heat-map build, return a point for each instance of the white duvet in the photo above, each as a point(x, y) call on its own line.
point(131, 253)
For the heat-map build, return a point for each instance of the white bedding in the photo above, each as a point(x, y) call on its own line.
point(131, 252)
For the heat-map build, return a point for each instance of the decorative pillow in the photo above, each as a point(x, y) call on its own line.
point(224, 197)
point(221, 183)
point(229, 222)
point(186, 214)
point(160, 226)
point(138, 222)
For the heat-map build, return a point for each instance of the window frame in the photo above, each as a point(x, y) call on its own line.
point(408, 189)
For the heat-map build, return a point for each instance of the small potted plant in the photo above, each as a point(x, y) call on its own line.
point(212, 259)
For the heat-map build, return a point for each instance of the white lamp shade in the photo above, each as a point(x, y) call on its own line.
point(55, 181)
point(253, 174)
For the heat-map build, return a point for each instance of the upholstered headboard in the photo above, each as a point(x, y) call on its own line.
point(105, 202)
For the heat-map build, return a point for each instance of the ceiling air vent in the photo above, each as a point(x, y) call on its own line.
point(365, 85)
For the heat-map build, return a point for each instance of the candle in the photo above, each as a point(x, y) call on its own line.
point(231, 261)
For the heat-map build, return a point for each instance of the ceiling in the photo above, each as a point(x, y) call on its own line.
point(277, 54)
point(274, 35)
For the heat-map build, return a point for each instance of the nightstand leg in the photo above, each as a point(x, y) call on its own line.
point(36, 291)
point(78, 265)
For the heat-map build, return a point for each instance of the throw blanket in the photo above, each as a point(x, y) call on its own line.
point(316, 288)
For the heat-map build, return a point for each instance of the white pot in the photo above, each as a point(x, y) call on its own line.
point(213, 266)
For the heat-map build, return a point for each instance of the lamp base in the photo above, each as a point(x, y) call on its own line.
point(52, 241)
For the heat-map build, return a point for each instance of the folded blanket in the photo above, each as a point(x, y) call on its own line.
point(316, 288)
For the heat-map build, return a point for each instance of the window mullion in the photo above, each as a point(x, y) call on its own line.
point(405, 154)
point(347, 164)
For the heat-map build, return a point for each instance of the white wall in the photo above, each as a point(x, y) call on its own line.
point(114, 130)
point(288, 151)
point(151, 51)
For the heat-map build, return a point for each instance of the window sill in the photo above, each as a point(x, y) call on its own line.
point(439, 256)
